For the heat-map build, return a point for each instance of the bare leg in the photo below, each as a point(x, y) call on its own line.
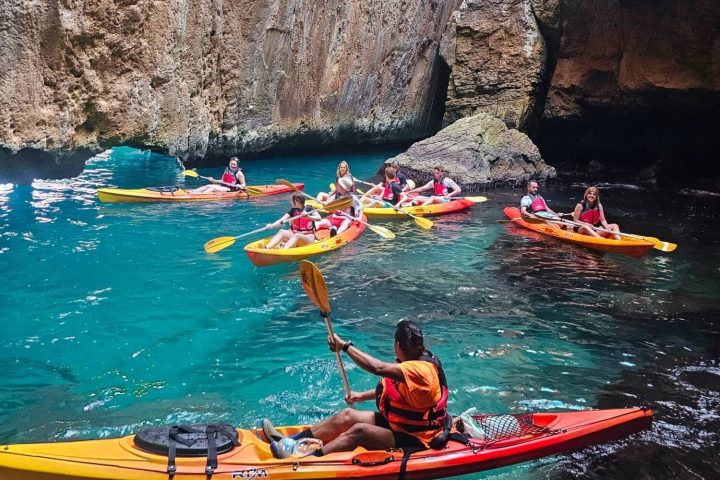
point(344, 226)
point(351, 428)
point(281, 236)
point(588, 231)
point(322, 197)
point(297, 237)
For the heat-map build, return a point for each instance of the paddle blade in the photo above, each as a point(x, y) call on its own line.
point(219, 243)
point(338, 204)
point(425, 223)
point(190, 173)
point(253, 191)
point(314, 285)
point(382, 231)
point(477, 199)
point(282, 181)
point(661, 245)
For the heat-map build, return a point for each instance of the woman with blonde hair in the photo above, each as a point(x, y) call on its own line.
point(343, 171)
point(590, 212)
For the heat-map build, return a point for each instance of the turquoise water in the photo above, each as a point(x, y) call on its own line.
point(114, 317)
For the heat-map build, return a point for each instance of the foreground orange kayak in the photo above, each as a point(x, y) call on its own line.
point(506, 439)
point(263, 257)
point(631, 247)
point(172, 194)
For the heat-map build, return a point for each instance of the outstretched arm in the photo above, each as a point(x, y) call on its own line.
point(367, 362)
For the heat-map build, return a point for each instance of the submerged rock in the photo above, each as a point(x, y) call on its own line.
point(476, 152)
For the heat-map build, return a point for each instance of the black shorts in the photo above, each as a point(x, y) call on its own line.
point(402, 439)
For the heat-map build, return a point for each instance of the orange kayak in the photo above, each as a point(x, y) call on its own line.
point(263, 257)
point(504, 440)
point(172, 194)
point(631, 247)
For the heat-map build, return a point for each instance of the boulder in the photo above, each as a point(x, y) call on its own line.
point(476, 152)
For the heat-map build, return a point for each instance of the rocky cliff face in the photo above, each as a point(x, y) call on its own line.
point(607, 80)
point(208, 78)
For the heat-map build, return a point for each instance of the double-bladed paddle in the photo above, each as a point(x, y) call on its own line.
point(314, 285)
point(220, 243)
point(382, 231)
point(247, 189)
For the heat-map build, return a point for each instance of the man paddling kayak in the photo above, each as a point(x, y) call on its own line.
point(411, 396)
point(232, 180)
point(443, 187)
point(387, 193)
point(534, 204)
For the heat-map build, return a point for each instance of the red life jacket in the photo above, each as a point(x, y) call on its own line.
point(301, 224)
point(229, 176)
point(590, 214)
point(406, 418)
point(439, 188)
point(538, 204)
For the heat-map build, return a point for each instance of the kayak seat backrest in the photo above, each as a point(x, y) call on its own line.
point(190, 440)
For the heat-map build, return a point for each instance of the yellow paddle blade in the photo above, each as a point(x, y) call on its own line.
point(382, 231)
point(190, 173)
point(338, 204)
point(282, 181)
point(657, 243)
point(219, 243)
point(314, 285)
point(332, 187)
point(425, 223)
point(253, 190)
point(477, 199)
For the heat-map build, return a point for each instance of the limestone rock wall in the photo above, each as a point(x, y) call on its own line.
point(212, 77)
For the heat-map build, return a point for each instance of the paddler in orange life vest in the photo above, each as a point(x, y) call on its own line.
point(339, 221)
point(411, 398)
point(387, 193)
point(591, 212)
point(232, 180)
point(443, 187)
point(302, 225)
point(534, 204)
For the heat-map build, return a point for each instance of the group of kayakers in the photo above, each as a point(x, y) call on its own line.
point(588, 215)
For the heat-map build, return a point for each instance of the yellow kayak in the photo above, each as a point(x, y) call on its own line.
point(173, 194)
point(263, 257)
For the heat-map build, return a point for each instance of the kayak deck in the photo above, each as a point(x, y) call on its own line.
point(525, 437)
point(172, 194)
point(630, 247)
point(262, 257)
point(434, 209)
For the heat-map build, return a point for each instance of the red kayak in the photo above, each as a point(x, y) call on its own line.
point(498, 440)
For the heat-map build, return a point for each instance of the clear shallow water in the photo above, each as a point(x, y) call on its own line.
point(114, 317)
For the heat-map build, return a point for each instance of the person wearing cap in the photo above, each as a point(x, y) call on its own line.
point(232, 180)
point(400, 177)
point(343, 171)
point(411, 396)
point(443, 187)
point(340, 220)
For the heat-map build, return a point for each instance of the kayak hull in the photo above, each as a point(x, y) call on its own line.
point(145, 195)
point(630, 247)
point(120, 459)
point(262, 257)
point(427, 211)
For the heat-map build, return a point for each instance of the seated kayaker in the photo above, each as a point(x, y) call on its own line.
point(443, 187)
point(385, 194)
point(411, 396)
point(535, 205)
point(401, 178)
point(339, 221)
point(232, 180)
point(590, 211)
point(302, 227)
point(343, 170)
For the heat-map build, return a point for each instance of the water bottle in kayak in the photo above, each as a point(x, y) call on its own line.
point(306, 446)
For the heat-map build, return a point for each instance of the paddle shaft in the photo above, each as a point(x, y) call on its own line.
point(341, 366)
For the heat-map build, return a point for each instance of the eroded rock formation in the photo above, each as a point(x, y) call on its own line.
point(477, 151)
point(207, 78)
